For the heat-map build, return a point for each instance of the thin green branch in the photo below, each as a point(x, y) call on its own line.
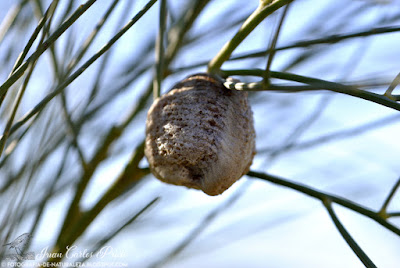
point(127, 179)
point(80, 70)
point(339, 88)
point(116, 132)
point(67, 10)
point(175, 36)
point(49, 192)
point(392, 86)
point(73, 130)
point(177, 33)
point(10, 18)
point(273, 45)
point(131, 170)
point(331, 39)
point(298, 131)
point(199, 229)
point(89, 40)
point(29, 44)
point(86, 44)
point(347, 237)
point(6, 133)
point(113, 234)
point(356, 84)
point(21, 92)
point(79, 221)
point(160, 50)
point(395, 97)
point(73, 213)
point(33, 168)
point(85, 114)
point(325, 40)
point(46, 44)
point(263, 11)
point(52, 8)
point(383, 209)
point(230, 24)
point(314, 82)
point(334, 136)
point(393, 214)
point(323, 196)
point(59, 76)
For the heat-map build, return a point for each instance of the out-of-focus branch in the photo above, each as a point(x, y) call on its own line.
point(77, 221)
point(265, 9)
point(324, 196)
point(46, 44)
point(159, 72)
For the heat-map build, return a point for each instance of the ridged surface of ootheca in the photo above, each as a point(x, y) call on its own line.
point(200, 135)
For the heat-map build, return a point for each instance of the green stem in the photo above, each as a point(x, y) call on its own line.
point(264, 10)
point(73, 229)
point(393, 214)
point(10, 18)
point(323, 196)
point(89, 40)
point(389, 197)
point(160, 50)
point(330, 39)
point(46, 44)
point(392, 86)
point(21, 92)
point(347, 237)
point(273, 45)
point(31, 40)
point(79, 71)
point(199, 229)
point(101, 154)
point(46, 29)
point(316, 84)
point(113, 234)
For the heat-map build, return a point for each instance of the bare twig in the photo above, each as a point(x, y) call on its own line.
point(331, 39)
point(349, 240)
point(199, 229)
point(159, 73)
point(121, 228)
point(273, 45)
point(314, 82)
point(383, 209)
point(46, 44)
point(388, 92)
point(263, 11)
point(323, 196)
point(342, 134)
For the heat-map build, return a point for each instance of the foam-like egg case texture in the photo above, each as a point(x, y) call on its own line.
point(200, 135)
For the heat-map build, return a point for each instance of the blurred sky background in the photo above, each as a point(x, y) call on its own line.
point(336, 143)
